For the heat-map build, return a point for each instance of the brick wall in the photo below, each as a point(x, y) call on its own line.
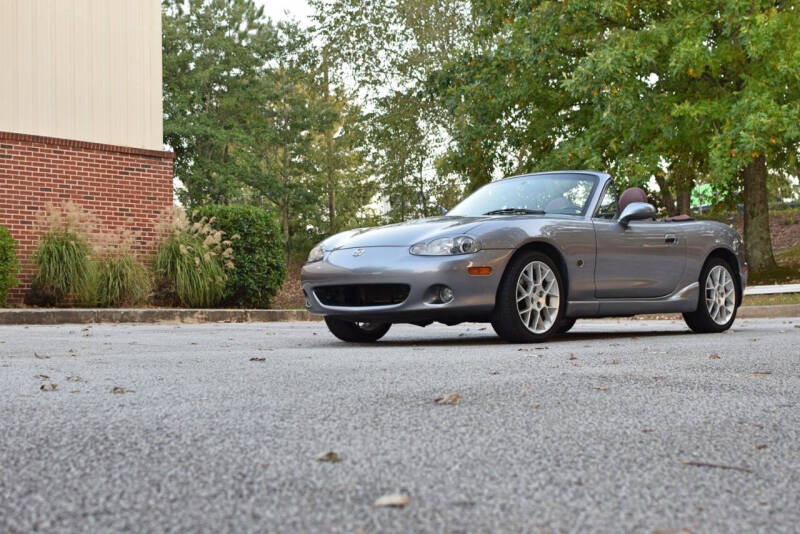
point(124, 188)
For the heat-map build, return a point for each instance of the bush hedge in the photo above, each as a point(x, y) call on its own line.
point(258, 253)
point(9, 266)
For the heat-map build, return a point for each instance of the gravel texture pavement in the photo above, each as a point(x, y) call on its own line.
point(635, 426)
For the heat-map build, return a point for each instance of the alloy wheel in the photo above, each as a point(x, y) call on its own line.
point(720, 295)
point(537, 297)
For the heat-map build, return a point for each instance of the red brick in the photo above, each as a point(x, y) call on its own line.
point(123, 187)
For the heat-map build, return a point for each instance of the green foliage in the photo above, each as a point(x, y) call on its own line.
point(120, 280)
point(63, 258)
point(258, 249)
point(191, 263)
point(9, 266)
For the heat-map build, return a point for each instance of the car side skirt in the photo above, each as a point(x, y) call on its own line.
point(682, 300)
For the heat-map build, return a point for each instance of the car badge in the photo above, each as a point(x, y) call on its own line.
point(358, 252)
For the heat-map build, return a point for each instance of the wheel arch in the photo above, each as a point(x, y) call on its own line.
point(730, 258)
point(546, 248)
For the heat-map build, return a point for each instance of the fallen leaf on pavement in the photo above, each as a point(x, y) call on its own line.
point(41, 377)
point(601, 388)
point(717, 466)
point(714, 356)
point(41, 357)
point(449, 398)
point(120, 390)
point(328, 456)
point(762, 446)
point(49, 386)
point(256, 359)
point(572, 357)
point(393, 500)
point(74, 379)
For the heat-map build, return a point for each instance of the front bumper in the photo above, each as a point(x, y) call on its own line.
point(474, 294)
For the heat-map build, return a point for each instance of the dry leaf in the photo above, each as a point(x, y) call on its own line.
point(256, 359)
point(449, 398)
point(394, 500)
point(50, 386)
point(714, 356)
point(74, 379)
point(572, 357)
point(41, 357)
point(120, 390)
point(601, 388)
point(762, 446)
point(328, 456)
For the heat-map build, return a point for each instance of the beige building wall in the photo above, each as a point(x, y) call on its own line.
point(88, 70)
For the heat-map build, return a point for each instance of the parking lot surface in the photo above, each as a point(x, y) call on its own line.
point(618, 426)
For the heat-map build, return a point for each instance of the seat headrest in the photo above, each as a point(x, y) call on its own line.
point(632, 194)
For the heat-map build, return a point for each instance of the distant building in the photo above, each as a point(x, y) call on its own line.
point(81, 115)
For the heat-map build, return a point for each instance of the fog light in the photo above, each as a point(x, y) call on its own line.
point(445, 294)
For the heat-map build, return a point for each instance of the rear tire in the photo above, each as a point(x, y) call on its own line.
point(530, 300)
point(716, 302)
point(353, 332)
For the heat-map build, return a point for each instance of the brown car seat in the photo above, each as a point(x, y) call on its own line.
point(630, 195)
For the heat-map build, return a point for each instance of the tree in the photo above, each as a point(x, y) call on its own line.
point(686, 93)
point(213, 53)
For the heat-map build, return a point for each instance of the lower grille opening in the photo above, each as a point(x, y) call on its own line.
point(362, 294)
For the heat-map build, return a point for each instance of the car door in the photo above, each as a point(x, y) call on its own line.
point(646, 259)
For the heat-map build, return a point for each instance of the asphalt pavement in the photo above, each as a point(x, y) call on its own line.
point(620, 426)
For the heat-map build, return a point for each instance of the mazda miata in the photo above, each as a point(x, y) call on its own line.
point(530, 254)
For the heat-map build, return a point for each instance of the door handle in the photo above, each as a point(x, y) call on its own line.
point(670, 239)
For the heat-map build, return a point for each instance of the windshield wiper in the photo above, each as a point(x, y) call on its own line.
point(515, 211)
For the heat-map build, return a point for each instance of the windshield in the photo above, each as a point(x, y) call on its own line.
point(566, 194)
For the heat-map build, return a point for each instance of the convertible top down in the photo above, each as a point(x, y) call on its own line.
point(530, 254)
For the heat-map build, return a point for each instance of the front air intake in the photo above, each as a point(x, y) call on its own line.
point(358, 295)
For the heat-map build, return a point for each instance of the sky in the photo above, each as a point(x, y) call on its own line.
point(277, 9)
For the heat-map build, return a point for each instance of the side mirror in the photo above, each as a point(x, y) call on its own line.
point(636, 211)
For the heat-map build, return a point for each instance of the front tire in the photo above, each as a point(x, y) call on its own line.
point(353, 332)
point(716, 306)
point(530, 300)
point(565, 325)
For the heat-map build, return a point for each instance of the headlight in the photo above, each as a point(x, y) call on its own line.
point(446, 246)
point(316, 254)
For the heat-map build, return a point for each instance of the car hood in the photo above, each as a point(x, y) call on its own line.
point(403, 234)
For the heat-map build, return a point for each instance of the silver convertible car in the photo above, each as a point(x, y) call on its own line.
point(530, 254)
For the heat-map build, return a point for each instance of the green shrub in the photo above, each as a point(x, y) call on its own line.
point(120, 280)
point(192, 262)
point(65, 268)
point(260, 263)
point(9, 266)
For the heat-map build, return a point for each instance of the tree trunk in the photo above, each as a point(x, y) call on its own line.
point(684, 202)
point(757, 239)
point(666, 196)
point(329, 155)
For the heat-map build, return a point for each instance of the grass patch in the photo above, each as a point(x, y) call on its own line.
point(771, 300)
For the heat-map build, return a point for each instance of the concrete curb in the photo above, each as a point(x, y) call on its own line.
point(51, 316)
point(54, 316)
